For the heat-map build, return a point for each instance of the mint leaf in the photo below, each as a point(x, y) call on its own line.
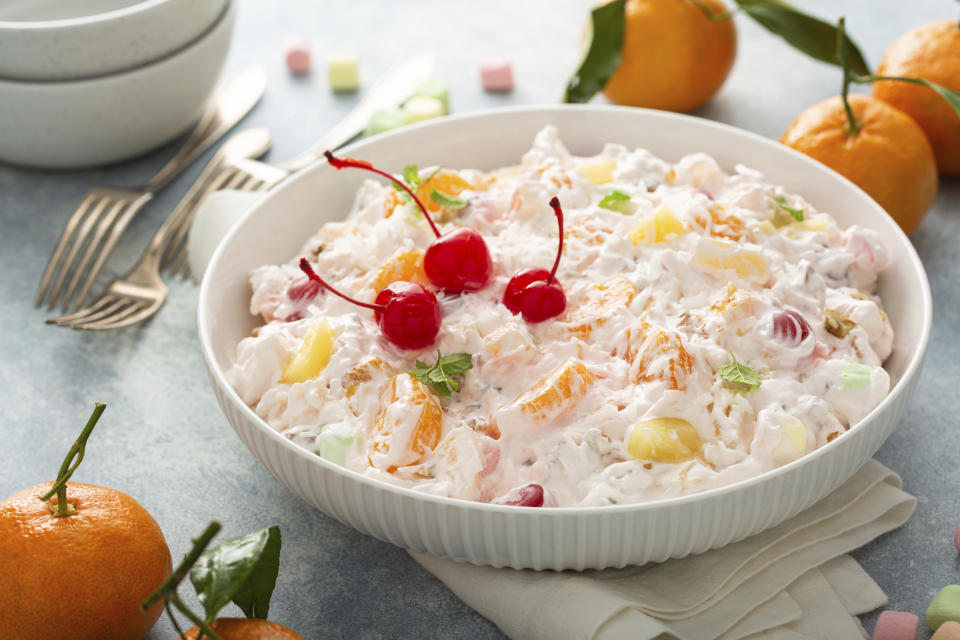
point(411, 175)
point(440, 376)
point(242, 569)
point(447, 201)
point(602, 56)
point(796, 213)
point(616, 200)
point(812, 36)
point(739, 377)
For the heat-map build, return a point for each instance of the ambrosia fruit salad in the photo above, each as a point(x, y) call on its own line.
point(570, 331)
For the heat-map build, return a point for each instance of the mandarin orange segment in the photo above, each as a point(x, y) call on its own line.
point(602, 301)
point(664, 440)
point(406, 266)
point(408, 424)
point(362, 372)
point(446, 181)
point(558, 392)
point(657, 355)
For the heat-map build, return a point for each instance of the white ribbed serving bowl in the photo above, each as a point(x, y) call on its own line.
point(561, 538)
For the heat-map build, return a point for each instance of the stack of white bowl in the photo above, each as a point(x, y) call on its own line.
point(89, 82)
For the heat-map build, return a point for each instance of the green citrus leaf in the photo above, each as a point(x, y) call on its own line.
point(601, 58)
point(243, 570)
point(812, 36)
point(952, 97)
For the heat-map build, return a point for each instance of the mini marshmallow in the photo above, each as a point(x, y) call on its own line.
point(947, 631)
point(437, 89)
point(896, 625)
point(343, 72)
point(385, 120)
point(296, 53)
point(419, 108)
point(944, 607)
point(496, 75)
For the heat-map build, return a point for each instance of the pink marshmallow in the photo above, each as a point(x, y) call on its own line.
point(496, 75)
point(896, 625)
point(956, 538)
point(296, 52)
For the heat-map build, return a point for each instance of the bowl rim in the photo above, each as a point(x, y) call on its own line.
point(222, 20)
point(72, 23)
point(218, 376)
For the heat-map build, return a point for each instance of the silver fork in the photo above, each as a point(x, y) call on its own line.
point(140, 293)
point(92, 231)
point(390, 90)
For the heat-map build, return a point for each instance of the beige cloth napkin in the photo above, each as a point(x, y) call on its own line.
point(790, 582)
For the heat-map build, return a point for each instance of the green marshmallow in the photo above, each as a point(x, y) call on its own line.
point(385, 120)
point(420, 108)
point(856, 376)
point(333, 446)
point(437, 89)
point(944, 607)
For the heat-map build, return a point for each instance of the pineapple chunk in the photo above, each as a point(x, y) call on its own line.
point(598, 172)
point(664, 440)
point(662, 225)
point(312, 356)
point(793, 443)
point(725, 254)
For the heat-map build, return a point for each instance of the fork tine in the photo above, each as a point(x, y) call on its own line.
point(106, 222)
point(119, 226)
point(65, 236)
point(118, 305)
point(178, 235)
point(116, 320)
point(144, 313)
point(81, 314)
point(76, 242)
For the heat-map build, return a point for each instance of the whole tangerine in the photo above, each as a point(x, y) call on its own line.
point(246, 629)
point(889, 157)
point(932, 52)
point(80, 576)
point(674, 57)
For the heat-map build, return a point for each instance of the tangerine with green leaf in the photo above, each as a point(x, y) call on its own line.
point(674, 57)
point(875, 145)
point(77, 559)
point(241, 570)
point(932, 52)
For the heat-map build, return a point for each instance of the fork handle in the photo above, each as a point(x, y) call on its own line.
point(249, 143)
point(227, 107)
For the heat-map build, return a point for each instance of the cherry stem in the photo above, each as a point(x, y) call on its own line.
point(340, 163)
point(307, 269)
point(167, 591)
point(79, 447)
point(555, 203)
point(853, 125)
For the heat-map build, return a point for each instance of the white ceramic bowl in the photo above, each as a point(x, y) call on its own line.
point(562, 538)
point(110, 118)
point(74, 39)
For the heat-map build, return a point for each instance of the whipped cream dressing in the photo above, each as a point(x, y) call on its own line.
point(660, 294)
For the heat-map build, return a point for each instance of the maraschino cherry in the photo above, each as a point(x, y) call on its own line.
point(535, 293)
point(456, 262)
point(408, 314)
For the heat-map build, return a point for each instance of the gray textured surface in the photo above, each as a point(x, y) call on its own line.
point(163, 439)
